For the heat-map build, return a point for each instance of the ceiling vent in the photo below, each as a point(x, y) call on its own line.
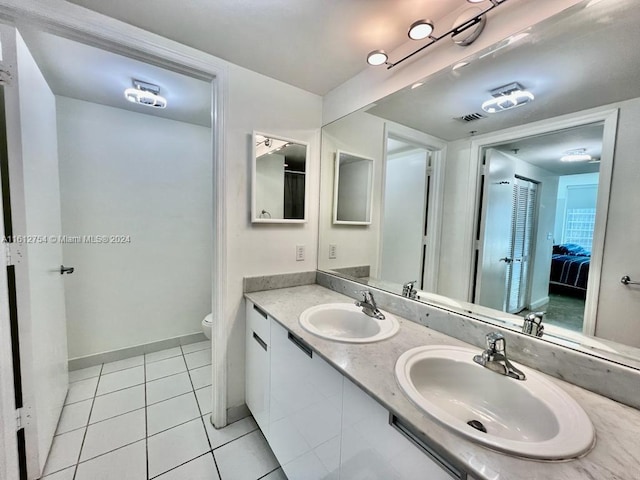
point(470, 117)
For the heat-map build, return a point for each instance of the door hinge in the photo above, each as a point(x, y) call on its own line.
point(13, 253)
point(19, 419)
point(22, 417)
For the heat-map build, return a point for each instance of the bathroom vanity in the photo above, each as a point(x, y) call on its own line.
point(335, 410)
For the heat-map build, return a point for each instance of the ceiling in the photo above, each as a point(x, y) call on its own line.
point(312, 44)
point(87, 73)
point(575, 61)
point(544, 151)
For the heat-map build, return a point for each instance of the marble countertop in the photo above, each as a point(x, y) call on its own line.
point(616, 455)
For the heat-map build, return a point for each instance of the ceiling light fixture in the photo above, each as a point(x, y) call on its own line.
point(507, 97)
point(144, 93)
point(377, 57)
point(422, 29)
point(576, 155)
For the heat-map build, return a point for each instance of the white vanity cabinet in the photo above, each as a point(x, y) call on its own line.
point(319, 424)
point(306, 409)
point(372, 448)
point(258, 362)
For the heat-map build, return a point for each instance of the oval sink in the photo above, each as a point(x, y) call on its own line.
point(344, 322)
point(531, 418)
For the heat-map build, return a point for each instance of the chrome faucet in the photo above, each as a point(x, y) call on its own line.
point(495, 357)
point(369, 306)
point(409, 291)
point(533, 324)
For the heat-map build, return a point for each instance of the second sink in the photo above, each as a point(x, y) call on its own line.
point(344, 322)
point(533, 418)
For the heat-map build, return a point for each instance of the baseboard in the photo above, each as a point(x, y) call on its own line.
point(79, 363)
point(237, 413)
point(538, 303)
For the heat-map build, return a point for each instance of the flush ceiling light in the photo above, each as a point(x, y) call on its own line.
point(507, 97)
point(420, 29)
point(377, 57)
point(475, 1)
point(144, 93)
point(576, 155)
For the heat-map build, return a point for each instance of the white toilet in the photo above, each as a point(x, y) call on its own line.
point(206, 325)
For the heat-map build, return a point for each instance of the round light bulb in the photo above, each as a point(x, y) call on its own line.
point(377, 57)
point(420, 29)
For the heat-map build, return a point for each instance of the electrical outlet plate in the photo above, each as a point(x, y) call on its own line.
point(332, 250)
point(299, 253)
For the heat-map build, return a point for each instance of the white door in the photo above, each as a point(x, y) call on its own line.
point(497, 211)
point(405, 199)
point(35, 210)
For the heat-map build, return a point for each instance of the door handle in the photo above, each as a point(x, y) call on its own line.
point(506, 260)
point(67, 270)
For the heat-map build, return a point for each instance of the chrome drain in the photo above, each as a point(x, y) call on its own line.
point(477, 425)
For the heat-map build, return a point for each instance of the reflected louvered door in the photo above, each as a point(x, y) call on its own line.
point(523, 226)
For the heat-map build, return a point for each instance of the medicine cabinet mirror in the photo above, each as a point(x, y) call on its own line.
point(279, 179)
point(353, 189)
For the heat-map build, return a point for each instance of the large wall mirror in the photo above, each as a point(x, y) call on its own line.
point(500, 214)
point(279, 179)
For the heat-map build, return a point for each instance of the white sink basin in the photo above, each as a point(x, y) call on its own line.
point(344, 322)
point(532, 418)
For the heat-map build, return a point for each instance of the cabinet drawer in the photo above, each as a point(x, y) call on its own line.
point(258, 322)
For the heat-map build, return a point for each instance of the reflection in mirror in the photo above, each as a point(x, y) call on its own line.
point(352, 189)
point(278, 180)
point(521, 230)
point(538, 219)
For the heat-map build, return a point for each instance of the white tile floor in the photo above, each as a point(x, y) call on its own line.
point(148, 417)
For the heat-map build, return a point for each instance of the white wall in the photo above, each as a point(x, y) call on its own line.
point(256, 102)
point(618, 305)
point(358, 134)
point(126, 173)
point(459, 194)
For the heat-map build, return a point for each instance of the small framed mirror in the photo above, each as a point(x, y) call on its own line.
point(353, 189)
point(279, 179)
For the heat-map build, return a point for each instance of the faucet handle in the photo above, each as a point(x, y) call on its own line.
point(496, 343)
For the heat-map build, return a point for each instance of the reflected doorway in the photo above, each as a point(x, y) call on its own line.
point(537, 219)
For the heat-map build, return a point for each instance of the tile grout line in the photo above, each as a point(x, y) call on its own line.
point(233, 440)
point(84, 437)
point(96, 396)
point(146, 419)
point(269, 473)
point(181, 465)
point(215, 463)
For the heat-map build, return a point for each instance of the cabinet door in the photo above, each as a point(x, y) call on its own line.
point(257, 365)
point(306, 409)
point(372, 449)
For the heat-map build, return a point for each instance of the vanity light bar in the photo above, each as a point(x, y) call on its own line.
point(380, 57)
